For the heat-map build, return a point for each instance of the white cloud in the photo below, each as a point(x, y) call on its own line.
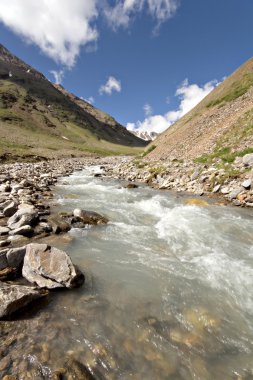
point(58, 27)
point(111, 85)
point(58, 75)
point(147, 109)
point(189, 94)
point(90, 100)
point(122, 12)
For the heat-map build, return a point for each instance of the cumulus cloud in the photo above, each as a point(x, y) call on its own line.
point(147, 109)
point(121, 13)
point(58, 75)
point(111, 85)
point(58, 27)
point(189, 94)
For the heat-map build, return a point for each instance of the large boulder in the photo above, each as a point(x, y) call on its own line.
point(23, 217)
point(89, 217)
point(15, 297)
point(49, 267)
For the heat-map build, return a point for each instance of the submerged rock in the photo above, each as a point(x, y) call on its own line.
point(49, 267)
point(89, 217)
point(15, 297)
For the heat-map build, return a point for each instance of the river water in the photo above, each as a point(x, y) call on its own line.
point(168, 293)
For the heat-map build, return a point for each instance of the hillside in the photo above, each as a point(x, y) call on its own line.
point(38, 118)
point(219, 126)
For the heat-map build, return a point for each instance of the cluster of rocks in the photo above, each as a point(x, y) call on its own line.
point(25, 194)
point(232, 181)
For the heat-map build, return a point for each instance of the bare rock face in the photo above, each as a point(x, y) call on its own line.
point(50, 268)
point(89, 217)
point(15, 297)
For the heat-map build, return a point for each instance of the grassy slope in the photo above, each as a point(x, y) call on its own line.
point(219, 126)
point(37, 119)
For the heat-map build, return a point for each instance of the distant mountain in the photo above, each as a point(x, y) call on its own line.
point(146, 136)
point(221, 124)
point(39, 118)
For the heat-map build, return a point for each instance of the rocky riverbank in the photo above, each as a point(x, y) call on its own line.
point(231, 182)
point(25, 219)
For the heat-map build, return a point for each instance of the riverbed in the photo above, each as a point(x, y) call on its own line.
point(168, 292)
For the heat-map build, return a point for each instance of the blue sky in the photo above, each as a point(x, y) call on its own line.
point(145, 62)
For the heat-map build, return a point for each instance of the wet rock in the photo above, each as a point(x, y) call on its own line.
point(15, 256)
point(24, 231)
point(4, 231)
point(89, 217)
point(131, 186)
point(10, 377)
point(50, 267)
point(15, 297)
point(196, 202)
point(58, 224)
point(3, 259)
point(24, 216)
point(78, 370)
point(10, 209)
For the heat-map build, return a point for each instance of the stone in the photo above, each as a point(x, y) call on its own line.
point(22, 217)
point(4, 231)
point(24, 231)
point(10, 209)
point(49, 267)
point(15, 297)
point(15, 256)
point(234, 193)
point(58, 225)
point(3, 259)
point(248, 159)
point(4, 243)
point(131, 186)
point(17, 239)
point(195, 175)
point(89, 217)
point(216, 188)
point(246, 184)
point(8, 274)
point(224, 190)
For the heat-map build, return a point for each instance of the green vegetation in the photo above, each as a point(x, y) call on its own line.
point(150, 149)
point(224, 154)
point(37, 119)
point(238, 89)
point(157, 170)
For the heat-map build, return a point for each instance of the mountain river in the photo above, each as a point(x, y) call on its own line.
point(168, 292)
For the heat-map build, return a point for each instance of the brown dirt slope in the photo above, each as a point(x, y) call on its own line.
point(222, 123)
